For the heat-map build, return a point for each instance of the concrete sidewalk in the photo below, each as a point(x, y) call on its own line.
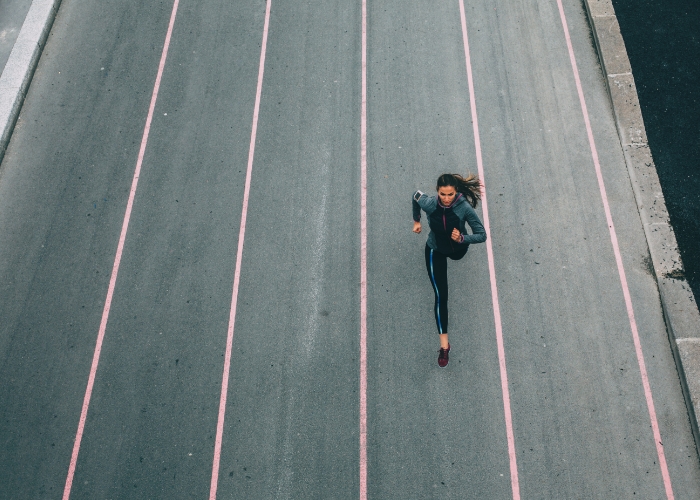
point(12, 15)
point(20, 49)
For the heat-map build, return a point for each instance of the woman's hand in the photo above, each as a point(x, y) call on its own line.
point(416, 227)
point(456, 235)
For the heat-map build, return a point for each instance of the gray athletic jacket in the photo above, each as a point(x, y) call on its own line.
point(442, 220)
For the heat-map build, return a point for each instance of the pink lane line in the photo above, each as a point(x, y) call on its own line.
point(239, 257)
point(515, 484)
point(620, 267)
point(363, 262)
point(117, 261)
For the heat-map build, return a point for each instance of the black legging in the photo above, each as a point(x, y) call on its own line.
point(436, 263)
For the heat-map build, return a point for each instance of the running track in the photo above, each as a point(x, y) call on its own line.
point(207, 195)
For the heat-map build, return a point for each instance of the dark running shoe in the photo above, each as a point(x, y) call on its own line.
point(444, 356)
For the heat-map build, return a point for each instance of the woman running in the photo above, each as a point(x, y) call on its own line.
point(447, 212)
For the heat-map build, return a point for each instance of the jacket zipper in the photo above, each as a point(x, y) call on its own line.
point(444, 224)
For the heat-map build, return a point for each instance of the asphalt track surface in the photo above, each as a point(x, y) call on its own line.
point(293, 413)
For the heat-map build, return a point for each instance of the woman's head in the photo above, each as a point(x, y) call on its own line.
point(448, 185)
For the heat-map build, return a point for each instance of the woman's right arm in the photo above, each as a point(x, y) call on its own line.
point(416, 206)
point(416, 212)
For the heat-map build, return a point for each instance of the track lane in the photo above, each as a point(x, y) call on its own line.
point(239, 256)
point(498, 323)
point(433, 432)
point(117, 260)
point(292, 412)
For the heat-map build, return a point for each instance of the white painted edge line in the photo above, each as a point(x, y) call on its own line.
point(20, 65)
point(363, 262)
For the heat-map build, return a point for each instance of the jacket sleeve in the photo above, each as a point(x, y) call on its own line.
point(416, 206)
point(478, 232)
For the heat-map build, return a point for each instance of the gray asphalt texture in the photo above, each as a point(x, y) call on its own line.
point(292, 421)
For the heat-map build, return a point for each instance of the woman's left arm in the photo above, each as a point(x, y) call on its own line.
point(478, 232)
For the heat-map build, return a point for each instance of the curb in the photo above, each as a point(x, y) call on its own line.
point(677, 300)
point(20, 66)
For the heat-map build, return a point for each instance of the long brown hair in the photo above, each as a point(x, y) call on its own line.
point(469, 186)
